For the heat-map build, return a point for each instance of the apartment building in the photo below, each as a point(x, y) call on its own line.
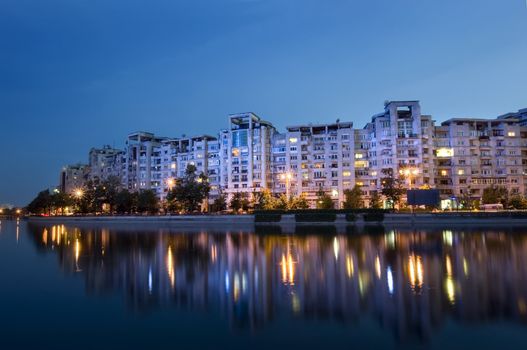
point(173, 156)
point(472, 154)
point(105, 162)
point(309, 158)
point(245, 149)
point(73, 177)
point(141, 161)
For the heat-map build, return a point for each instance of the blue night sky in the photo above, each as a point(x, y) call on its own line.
point(81, 73)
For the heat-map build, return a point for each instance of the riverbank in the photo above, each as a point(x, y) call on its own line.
point(288, 221)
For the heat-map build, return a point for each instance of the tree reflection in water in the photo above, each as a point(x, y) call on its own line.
point(410, 281)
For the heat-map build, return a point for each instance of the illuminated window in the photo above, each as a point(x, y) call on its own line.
point(358, 156)
point(445, 152)
point(361, 164)
point(293, 140)
point(511, 134)
point(359, 183)
point(173, 166)
point(373, 173)
point(346, 173)
point(235, 152)
point(444, 173)
point(461, 172)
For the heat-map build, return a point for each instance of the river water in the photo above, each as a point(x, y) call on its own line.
point(63, 286)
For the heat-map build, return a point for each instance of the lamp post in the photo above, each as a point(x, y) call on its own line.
point(408, 173)
point(287, 177)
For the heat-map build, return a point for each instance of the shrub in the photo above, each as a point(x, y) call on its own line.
point(374, 217)
point(315, 217)
point(267, 217)
point(351, 217)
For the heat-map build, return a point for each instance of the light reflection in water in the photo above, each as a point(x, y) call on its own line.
point(255, 276)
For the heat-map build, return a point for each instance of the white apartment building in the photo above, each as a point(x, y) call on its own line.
point(472, 154)
point(173, 156)
point(245, 150)
point(73, 177)
point(308, 158)
point(142, 161)
point(105, 162)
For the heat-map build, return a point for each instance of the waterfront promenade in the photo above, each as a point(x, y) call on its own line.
point(288, 221)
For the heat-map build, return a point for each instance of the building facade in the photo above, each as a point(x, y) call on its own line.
point(460, 157)
point(73, 177)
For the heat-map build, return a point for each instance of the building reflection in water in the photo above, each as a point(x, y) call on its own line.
point(410, 282)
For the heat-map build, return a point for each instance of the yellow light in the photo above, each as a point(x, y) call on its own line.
point(445, 152)
point(378, 266)
point(350, 268)
point(170, 267)
point(448, 264)
point(173, 166)
point(415, 271)
point(78, 193)
point(334, 192)
point(18, 211)
point(450, 288)
point(170, 183)
point(235, 152)
point(346, 173)
point(336, 248)
point(293, 140)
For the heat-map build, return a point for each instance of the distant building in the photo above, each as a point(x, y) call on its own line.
point(73, 177)
point(105, 162)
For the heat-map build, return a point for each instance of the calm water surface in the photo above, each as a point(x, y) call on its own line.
point(95, 287)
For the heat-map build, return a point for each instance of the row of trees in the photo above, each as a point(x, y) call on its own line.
point(499, 194)
point(189, 194)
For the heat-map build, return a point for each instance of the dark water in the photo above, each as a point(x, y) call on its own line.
point(68, 287)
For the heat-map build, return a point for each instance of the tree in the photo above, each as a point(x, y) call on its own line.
point(110, 190)
point(147, 202)
point(264, 200)
point(126, 202)
point(353, 198)
point(41, 204)
point(239, 201)
point(324, 200)
point(299, 202)
point(375, 200)
point(191, 190)
point(517, 201)
point(392, 187)
point(61, 200)
point(495, 194)
point(219, 203)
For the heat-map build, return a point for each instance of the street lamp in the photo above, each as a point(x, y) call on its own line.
point(79, 193)
point(408, 173)
point(287, 177)
point(170, 183)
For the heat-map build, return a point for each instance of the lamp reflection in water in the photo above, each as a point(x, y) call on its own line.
point(415, 272)
point(450, 285)
point(170, 267)
point(350, 268)
point(288, 269)
point(77, 249)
